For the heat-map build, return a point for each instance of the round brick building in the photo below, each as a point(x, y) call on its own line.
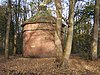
point(38, 35)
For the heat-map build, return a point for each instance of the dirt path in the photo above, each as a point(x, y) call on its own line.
point(47, 66)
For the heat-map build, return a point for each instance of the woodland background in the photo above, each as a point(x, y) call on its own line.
point(80, 17)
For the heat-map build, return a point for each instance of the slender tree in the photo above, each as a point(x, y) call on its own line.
point(58, 28)
point(25, 9)
point(67, 50)
point(95, 31)
point(8, 30)
point(17, 13)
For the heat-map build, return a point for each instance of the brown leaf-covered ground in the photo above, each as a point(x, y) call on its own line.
point(47, 66)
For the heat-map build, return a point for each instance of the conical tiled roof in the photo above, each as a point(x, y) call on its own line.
point(42, 16)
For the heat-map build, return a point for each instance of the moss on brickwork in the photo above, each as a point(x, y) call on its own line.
point(42, 16)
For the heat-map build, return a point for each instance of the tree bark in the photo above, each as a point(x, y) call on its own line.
point(94, 44)
point(8, 30)
point(25, 13)
point(67, 50)
point(16, 26)
point(58, 28)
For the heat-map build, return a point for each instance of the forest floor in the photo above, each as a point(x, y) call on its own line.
point(47, 66)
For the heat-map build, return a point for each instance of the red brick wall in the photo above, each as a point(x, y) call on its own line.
point(39, 42)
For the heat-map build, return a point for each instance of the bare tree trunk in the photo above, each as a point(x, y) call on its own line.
point(15, 37)
point(99, 26)
point(95, 31)
point(8, 30)
point(25, 13)
point(58, 28)
point(17, 26)
point(67, 50)
point(3, 43)
point(99, 29)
